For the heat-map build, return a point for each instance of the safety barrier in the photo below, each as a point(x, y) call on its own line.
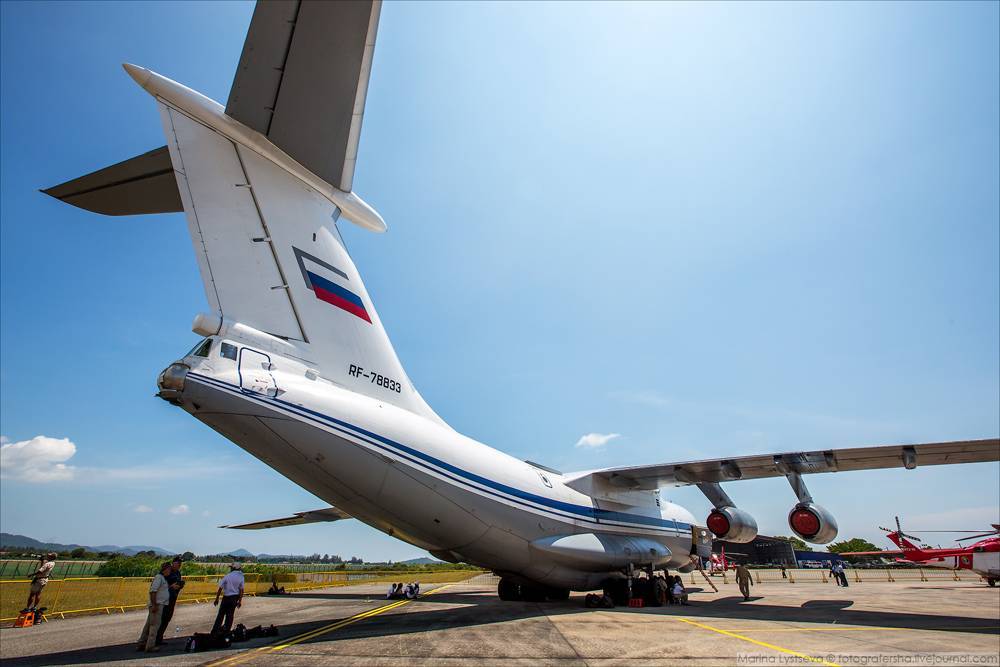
point(90, 595)
point(15, 568)
point(856, 575)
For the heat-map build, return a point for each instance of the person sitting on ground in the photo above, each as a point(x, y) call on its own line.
point(274, 589)
point(159, 598)
point(39, 579)
point(392, 591)
point(410, 593)
point(680, 595)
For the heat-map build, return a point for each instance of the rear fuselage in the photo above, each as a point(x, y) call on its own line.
point(419, 480)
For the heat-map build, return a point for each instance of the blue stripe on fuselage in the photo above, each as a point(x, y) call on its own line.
point(592, 513)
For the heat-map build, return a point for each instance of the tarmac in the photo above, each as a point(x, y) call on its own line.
point(457, 624)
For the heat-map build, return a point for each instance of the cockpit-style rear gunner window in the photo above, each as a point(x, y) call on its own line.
point(201, 349)
point(228, 351)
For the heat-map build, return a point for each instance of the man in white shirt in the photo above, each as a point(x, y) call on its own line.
point(38, 581)
point(231, 590)
point(159, 597)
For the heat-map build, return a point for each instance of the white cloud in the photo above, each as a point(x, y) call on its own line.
point(595, 440)
point(180, 509)
point(41, 459)
point(205, 513)
point(142, 509)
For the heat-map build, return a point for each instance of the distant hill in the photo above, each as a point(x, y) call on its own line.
point(423, 560)
point(242, 553)
point(9, 540)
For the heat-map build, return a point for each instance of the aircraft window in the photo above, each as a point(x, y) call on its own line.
point(202, 350)
point(228, 351)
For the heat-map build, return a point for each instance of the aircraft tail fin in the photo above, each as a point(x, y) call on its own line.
point(900, 541)
point(271, 258)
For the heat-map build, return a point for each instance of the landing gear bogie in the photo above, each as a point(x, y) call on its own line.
point(512, 591)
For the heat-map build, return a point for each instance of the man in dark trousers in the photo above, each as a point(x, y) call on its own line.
point(744, 580)
point(231, 590)
point(176, 583)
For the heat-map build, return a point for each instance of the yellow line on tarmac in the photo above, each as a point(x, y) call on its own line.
point(874, 628)
point(758, 643)
point(305, 636)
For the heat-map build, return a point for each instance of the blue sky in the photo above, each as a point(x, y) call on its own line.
point(710, 229)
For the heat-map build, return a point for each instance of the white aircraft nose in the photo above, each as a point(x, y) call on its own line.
point(139, 74)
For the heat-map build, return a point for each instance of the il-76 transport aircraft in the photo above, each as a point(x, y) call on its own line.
point(296, 368)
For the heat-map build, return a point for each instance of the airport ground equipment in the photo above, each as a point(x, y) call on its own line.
point(297, 369)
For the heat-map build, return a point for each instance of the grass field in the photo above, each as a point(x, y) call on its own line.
point(107, 594)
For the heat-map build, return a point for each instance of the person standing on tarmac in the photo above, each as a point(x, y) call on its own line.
point(176, 583)
point(744, 580)
point(159, 596)
point(231, 590)
point(39, 579)
point(838, 572)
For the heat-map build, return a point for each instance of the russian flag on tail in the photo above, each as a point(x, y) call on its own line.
point(338, 296)
point(328, 291)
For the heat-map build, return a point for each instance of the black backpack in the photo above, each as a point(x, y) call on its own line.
point(206, 641)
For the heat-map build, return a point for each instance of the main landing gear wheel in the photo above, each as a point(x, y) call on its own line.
point(557, 594)
point(508, 590)
point(617, 590)
point(991, 582)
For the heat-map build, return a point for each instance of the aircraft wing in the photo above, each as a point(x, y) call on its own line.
point(297, 519)
point(759, 466)
point(303, 78)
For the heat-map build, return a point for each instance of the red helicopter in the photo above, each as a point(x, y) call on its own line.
point(982, 557)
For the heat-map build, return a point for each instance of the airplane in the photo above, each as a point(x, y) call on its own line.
point(296, 368)
point(982, 557)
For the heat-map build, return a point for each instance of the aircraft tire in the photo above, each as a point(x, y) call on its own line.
point(533, 593)
point(508, 591)
point(557, 594)
point(617, 590)
point(991, 582)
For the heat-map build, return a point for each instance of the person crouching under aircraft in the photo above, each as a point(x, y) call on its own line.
point(231, 590)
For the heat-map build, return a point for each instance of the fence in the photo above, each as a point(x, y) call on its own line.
point(89, 595)
point(857, 575)
point(16, 568)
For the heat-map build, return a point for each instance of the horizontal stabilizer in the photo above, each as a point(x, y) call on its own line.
point(140, 185)
point(297, 519)
point(303, 78)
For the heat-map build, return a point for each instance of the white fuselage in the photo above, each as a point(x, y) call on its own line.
point(417, 479)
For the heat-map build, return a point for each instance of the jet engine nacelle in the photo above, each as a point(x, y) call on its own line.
point(812, 523)
point(731, 524)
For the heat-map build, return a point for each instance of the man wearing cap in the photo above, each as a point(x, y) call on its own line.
point(39, 579)
point(176, 583)
point(159, 596)
point(231, 590)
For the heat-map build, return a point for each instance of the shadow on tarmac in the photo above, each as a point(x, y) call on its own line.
point(483, 608)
